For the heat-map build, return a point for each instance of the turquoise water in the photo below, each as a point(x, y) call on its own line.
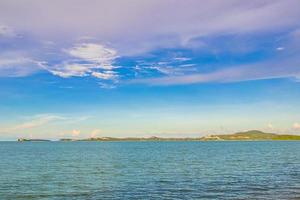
point(150, 170)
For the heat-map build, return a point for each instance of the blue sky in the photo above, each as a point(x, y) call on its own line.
point(142, 68)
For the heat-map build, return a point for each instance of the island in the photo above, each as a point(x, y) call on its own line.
point(32, 140)
point(104, 139)
point(252, 135)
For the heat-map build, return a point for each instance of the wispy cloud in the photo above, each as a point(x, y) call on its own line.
point(107, 85)
point(267, 70)
point(95, 133)
point(16, 65)
point(296, 126)
point(87, 59)
point(40, 120)
point(270, 126)
point(36, 121)
point(164, 64)
point(130, 31)
point(97, 54)
point(135, 29)
point(67, 70)
point(75, 133)
point(182, 58)
point(280, 48)
point(107, 75)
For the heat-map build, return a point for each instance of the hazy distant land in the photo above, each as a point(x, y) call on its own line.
point(32, 140)
point(253, 135)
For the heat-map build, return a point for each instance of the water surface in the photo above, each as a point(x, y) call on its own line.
point(150, 170)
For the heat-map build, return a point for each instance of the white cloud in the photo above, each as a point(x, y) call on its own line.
point(94, 53)
point(75, 133)
point(69, 70)
point(14, 61)
point(95, 133)
point(15, 65)
point(38, 120)
point(164, 69)
point(172, 70)
point(270, 126)
point(284, 69)
point(107, 85)
point(133, 27)
point(168, 65)
point(182, 59)
point(107, 75)
point(87, 59)
point(296, 125)
point(280, 48)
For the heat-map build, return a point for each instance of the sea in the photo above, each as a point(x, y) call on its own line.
point(150, 170)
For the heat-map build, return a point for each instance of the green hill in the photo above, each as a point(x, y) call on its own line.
point(251, 135)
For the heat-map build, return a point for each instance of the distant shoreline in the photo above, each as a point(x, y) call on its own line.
point(253, 135)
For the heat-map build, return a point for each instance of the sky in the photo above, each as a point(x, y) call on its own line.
point(141, 68)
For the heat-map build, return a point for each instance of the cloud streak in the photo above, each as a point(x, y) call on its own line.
point(132, 26)
point(41, 120)
point(268, 70)
point(37, 121)
point(14, 65)
point(130, 29)
point(94, 53)
point(87, 59)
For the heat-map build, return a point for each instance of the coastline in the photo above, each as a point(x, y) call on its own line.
point(253, 135)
